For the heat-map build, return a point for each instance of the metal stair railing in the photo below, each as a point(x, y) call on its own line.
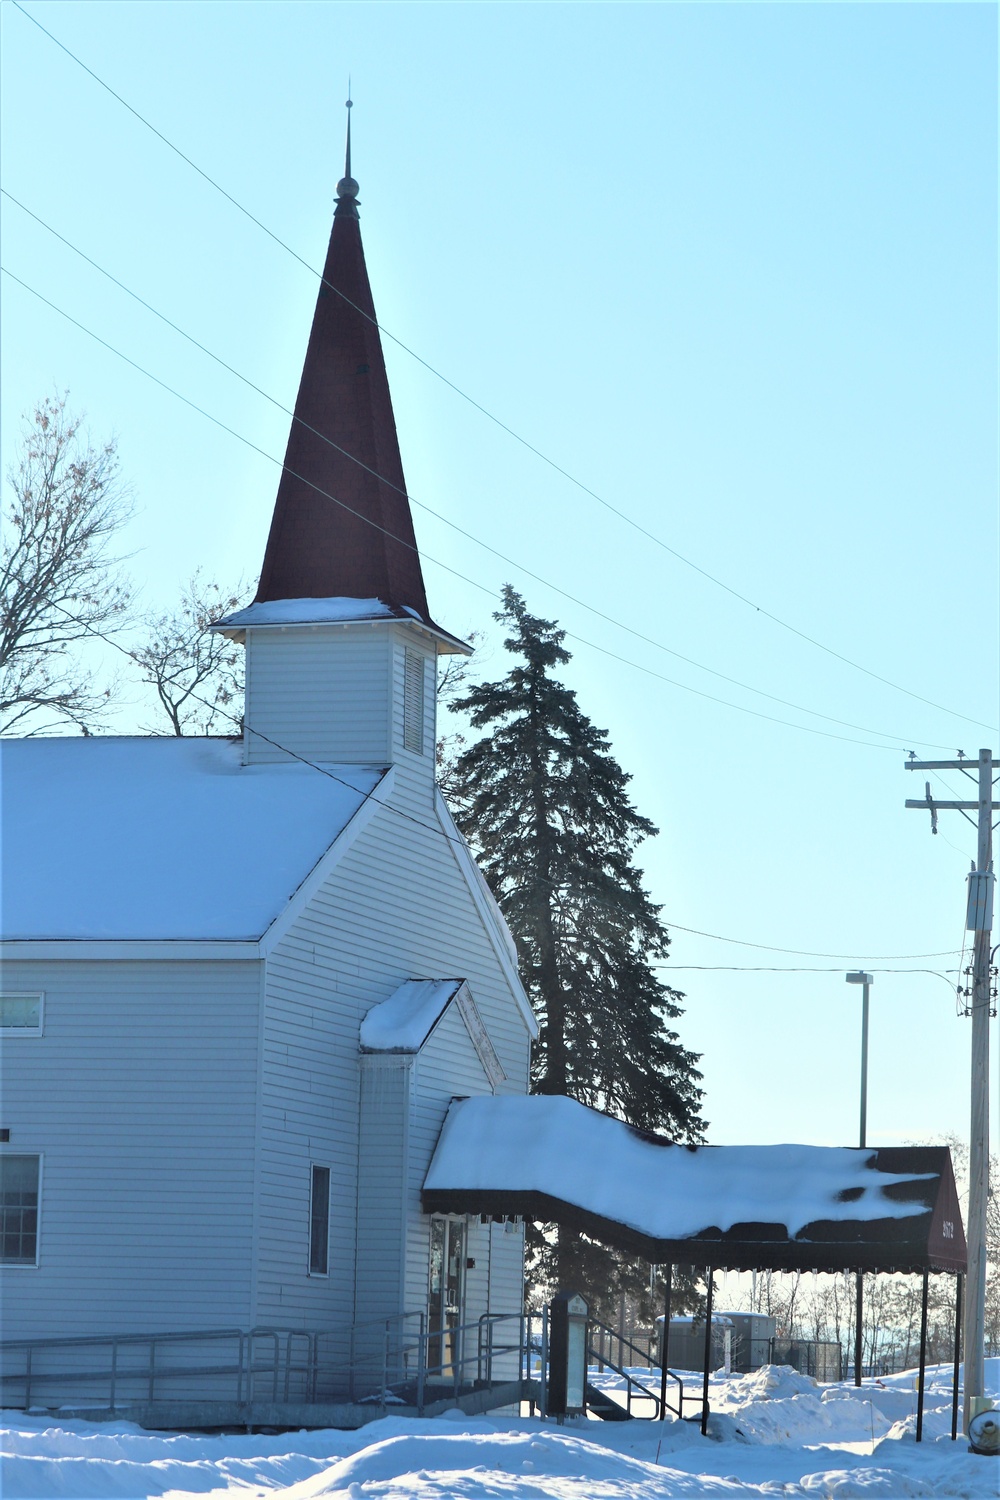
point(464, 1358)
point(632, 1383)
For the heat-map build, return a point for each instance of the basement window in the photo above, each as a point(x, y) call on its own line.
point(413, 703)
point(319, 1222)
point(18, 1210)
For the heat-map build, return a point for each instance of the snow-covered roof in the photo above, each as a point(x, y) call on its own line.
point(549, 1157)
point(310, 612)
point(160, 838)
point(405, 1021)
point(333, 611)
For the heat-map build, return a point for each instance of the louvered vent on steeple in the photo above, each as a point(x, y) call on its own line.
point(413, 702)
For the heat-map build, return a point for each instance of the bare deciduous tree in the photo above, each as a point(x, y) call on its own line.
point(59, 585)
point(197, 674)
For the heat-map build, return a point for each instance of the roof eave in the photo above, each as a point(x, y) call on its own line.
point(446, 644)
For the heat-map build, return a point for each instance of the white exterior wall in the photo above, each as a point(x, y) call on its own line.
point(321, 690)
point(139, 1096)
point(385, 1125)
point(180, 1105)
point(420, 767)
point(398, 906)
point(446, 1068)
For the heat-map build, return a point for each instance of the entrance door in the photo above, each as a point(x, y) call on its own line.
point(447, 1299)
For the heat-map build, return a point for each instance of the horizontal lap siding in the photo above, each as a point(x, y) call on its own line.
point(418, 770)
point(321, 692)
point(447, 1066)
point(396, 907)
point(385, 1118)
point(140, 1096)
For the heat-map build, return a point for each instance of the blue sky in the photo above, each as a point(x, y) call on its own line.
point(733, 267)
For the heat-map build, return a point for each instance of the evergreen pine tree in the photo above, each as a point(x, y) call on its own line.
point(544, 804)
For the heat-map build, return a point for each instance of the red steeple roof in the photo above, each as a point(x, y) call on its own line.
point(364, 547)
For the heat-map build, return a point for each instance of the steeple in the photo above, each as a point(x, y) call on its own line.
point(341, 526)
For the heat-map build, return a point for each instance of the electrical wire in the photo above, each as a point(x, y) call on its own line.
point(854, 957)
point(772, 969)
point(461, 842)
point(537, 452)
point(455, 572)
point(462, 531)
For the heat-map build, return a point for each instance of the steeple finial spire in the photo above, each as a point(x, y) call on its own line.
point(342, 526)
point(347, 188)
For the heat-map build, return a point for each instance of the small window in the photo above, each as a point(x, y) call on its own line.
point(21, 1015)
point(18, 1210)
point(319, 1222)
point(413, 703)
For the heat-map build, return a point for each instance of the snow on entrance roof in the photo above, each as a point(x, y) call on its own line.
point(816, 1207)
point(405, 1021)
point(161, 837)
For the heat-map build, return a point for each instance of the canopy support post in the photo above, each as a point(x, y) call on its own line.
point(958, 1355)
point(859, 1308)
point(708, 1355)
point(665, 1346)
point(923, 1357)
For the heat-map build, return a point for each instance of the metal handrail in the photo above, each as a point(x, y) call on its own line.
point(399, 1363)
point(630, 1379)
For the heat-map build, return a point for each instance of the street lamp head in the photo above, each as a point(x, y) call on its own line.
point(860, 978)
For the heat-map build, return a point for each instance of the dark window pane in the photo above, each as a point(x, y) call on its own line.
point(18, 1208)
point(319, 1225)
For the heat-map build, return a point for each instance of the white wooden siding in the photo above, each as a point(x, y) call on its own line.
point(383, 1150)
point(446, 1067)
point(323, 691)
point(421, 765)
point(396, 907)
point(140, 1096)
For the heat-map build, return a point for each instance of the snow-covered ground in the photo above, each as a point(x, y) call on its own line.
point(773, 1433)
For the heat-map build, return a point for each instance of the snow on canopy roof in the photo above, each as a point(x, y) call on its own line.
point(161, 837)
point(405, 1021)
point(753, 1207)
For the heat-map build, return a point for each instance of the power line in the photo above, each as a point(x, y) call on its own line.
point(854, 957)
point(772, 969)
point(462, 842)
point(470, 536)
point(483, 588)
point(537, 452)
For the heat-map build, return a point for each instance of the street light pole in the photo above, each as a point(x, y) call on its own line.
point(865, 980)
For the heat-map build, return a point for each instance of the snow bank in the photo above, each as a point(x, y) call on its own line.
point(161, 837)
point(776, 1433)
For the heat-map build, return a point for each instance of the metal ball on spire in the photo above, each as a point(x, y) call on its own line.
point(347, 187)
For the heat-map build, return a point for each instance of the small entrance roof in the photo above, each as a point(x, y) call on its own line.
point(781, 1208)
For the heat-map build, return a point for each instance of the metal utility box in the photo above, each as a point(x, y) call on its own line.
point(567, 1384)
point(749, 1334)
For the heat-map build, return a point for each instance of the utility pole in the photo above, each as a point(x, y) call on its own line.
point(979, 919)
point(865, 980)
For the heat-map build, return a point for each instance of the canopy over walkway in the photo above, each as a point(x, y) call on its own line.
point(777, 1208)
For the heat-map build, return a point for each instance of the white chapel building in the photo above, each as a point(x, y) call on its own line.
point(243, 979)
